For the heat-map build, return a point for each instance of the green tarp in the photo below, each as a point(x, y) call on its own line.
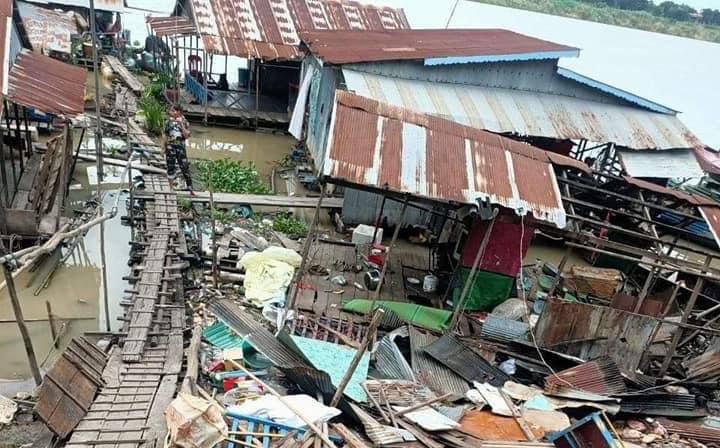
point(421, 316)
point(486, 291)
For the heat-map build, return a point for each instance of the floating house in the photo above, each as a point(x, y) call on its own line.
point(37, 91)
point(202, 35)
point(489, 142)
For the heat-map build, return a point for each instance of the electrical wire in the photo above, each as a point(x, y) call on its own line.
point(526, 308)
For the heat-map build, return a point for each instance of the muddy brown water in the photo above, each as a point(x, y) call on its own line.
point(262, 149)
point(75, 289)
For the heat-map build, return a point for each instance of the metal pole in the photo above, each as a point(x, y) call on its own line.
point(466, 288)
point(376, 293)
point(99, 164)
point(12, 292)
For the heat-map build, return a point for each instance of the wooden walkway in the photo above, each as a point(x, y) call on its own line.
point(141, 376)
point(265, 200)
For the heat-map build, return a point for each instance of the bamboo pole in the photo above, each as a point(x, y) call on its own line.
point(17, 310)
point(358, 356)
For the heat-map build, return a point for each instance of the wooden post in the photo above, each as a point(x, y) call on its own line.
point(213, 236)
point(12, 292)
point(205, 87)
point(10, 146)
point(131, 184)
point(561, 268)
point(177, 71)
point(459, 307)
point(358, 356)
point(378, 218)
point(3, 170)
point(376, 293)
point(306, 250)
point(51, 321)
point(18, 138)
point(257, 92)
point(697, 289)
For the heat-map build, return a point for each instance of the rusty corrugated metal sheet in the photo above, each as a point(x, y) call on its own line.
point(100, 5)
point(427, 371)
point(693, 431)
point(47, 29)
point(475, 45)
point(526, 112)
point(590, 331)
point(388, 147)
point(171, 26)
point(601, 376)
point(47, 85)
point(268, 29)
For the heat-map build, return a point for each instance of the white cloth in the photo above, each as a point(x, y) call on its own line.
point(269, 407)
point(298, 115)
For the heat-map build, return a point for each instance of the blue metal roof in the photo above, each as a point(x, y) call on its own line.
point(627, 96)
point(540, 55)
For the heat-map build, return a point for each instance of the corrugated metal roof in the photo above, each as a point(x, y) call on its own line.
point(607, 88)
point(504, 329)
point(665, 404)
point(465, 362)
point(388, 147)
point(662, 164)
point(268, 29)
point(258, 336)
point(171, 26)
point(526, 112)
point(434, 46)
point(100, 5)
point(47, 29)
point(591, 331)
point(601, 376)
point(692, 430)
point(47, 84)
point(436, 376)
point(389, 360)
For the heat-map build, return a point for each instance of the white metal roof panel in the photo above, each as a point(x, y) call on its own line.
point(527, 113)
point(663, 164)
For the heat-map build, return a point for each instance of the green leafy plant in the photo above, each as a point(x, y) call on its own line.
point(153, 111)
point(288, 224)
point(184, 204)
point(231, 176)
